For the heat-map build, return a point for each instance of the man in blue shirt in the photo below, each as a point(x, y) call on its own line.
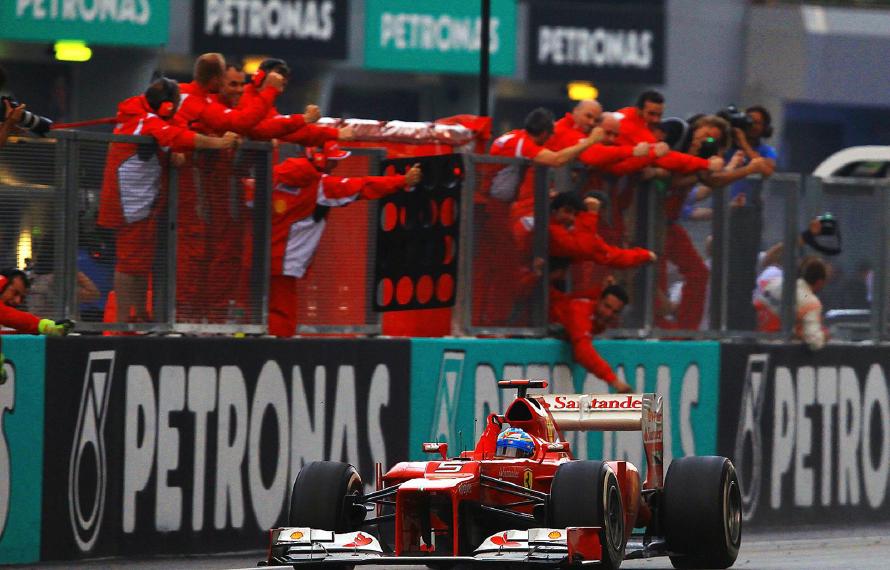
point(746, 217)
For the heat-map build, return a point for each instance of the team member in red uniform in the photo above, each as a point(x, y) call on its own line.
point(134, 191)
point(201, 111)
point(510, 194)
point(273, 127)
point(573, 234)
point(584, 317)
point(303, 191)
point(14, 286)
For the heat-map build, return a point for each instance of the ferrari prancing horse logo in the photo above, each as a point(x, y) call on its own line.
point(528, 479)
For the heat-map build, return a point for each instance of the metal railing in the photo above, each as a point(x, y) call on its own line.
point(50, 198)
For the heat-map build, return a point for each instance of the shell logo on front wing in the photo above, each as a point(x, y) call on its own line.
point(554, 534)
point(296, 535)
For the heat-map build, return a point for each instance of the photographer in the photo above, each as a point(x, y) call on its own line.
point(14, 116)
point(10, 114)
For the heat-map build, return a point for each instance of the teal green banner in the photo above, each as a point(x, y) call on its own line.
point(454, 387)
point(109, 22)
point(430, 36)
point(21, 448)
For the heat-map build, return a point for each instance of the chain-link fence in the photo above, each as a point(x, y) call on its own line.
point(124, 238)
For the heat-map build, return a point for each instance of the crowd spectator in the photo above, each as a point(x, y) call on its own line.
point(808, 327)
point(304, 191)
point(134, 188)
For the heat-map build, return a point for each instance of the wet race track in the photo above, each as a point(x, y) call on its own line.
point(860, 548)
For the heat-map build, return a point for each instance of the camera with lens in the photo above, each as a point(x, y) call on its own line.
point(827, 224)
point(737, 118)
point(35, 123)
point(709, 147)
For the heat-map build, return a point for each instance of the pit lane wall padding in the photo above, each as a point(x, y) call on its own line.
point(183, 445)
point(21, 439)
point(809, 432)
point(454, 388)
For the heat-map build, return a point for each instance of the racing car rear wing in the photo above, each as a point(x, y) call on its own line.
point(595, 412)
point(614, 412)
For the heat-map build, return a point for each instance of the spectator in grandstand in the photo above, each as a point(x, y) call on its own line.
point(14, 288)
point(134, 187)
point(304, 191)
point(808, 327)
point(586, 315)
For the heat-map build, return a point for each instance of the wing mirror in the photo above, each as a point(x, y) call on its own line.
point(440, 448)
point(558, 447)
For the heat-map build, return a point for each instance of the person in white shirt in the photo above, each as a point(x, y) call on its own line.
point(808, 327)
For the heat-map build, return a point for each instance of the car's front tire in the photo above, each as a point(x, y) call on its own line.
point(702, 512)
point(586, 493)
point(321, 497)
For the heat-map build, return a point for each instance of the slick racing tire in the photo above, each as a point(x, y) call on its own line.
point(702, 513)
point(321, 497)
point(586, 493)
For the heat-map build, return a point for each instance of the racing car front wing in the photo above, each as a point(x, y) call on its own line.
point(554, 547)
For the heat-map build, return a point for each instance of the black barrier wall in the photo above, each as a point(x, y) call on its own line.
point(809, 432)
point(192, 445)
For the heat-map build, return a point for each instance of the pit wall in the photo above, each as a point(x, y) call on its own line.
point(135, 446)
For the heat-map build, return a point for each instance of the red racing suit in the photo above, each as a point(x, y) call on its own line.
point(298, 190)
point(200, 178)
point(20, 321)
point(134, 184)
point(576, 315)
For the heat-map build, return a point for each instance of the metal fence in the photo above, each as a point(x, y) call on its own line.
point(205, 261)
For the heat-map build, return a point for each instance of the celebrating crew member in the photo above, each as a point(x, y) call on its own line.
point(303, 192)
point(14, 287)
point(134, 187)
point(586, 316)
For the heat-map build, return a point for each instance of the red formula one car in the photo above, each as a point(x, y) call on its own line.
point(520, 499)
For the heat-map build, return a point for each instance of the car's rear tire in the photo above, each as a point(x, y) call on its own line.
point(320, 497)
point(586, 493)
point(702, 513)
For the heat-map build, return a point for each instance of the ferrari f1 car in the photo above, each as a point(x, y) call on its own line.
point(519, 499)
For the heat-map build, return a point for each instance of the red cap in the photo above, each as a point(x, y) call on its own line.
point(332, 151)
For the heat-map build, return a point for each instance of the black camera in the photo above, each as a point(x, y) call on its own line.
point(827, 224)
point(737, 119)
point(33, 122)
point(709, 147)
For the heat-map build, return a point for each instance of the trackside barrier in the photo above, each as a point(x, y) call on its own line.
point(21, 439)
point(454, 388)
point(181, 445)
point(809, 432)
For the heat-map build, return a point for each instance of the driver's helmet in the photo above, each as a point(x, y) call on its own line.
point(514, 442)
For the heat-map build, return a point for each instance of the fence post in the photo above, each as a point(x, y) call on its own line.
point(789, 256)
point(169, 302)
point(70, 155)
point(719, 259)
point(879, 286)
point(462, 315)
